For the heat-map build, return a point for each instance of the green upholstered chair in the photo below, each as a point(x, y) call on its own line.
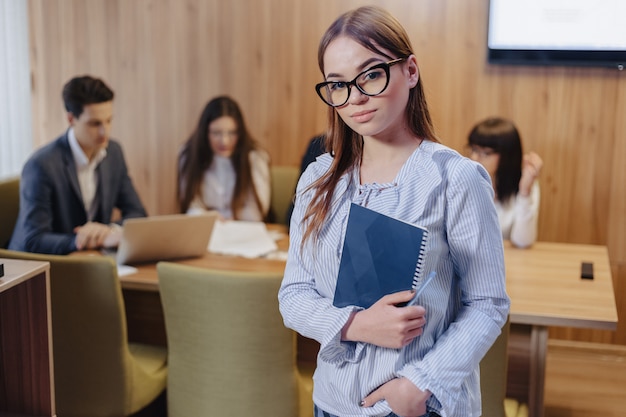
point(283, 183)
point(97, 372)
point(9, 208)
point(493, 373)
point(229, 353)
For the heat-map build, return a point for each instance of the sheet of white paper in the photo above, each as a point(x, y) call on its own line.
point(276, 235)
point(279, 255)
point(123, 270)
point(241, 238)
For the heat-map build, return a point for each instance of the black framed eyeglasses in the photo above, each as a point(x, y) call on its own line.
point(371, 82)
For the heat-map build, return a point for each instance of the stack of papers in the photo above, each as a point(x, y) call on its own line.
point(241, 238)
point(123, 270)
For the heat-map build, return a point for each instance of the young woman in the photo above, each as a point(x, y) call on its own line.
point(222, 168)
point(422, 359)
point(495, 143)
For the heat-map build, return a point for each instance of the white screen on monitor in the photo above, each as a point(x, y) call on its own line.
point(557, 25)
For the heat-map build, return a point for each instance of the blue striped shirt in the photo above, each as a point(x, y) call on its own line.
point(466, 305)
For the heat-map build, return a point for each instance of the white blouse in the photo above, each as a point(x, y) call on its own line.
point(218, 185)
point(518, 217)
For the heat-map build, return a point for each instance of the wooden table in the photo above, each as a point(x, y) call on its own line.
point(144, 312)
point(145, 279)
point(546, 289)
point(543, 282)
point(26, 380)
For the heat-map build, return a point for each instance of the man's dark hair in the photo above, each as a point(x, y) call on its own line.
point(84, 90)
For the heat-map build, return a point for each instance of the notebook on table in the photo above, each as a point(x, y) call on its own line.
point(381, 255)
point(166, 237)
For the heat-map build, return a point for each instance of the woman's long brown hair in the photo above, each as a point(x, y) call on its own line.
point(502, 136)
point(196, 156)
point(377, 30)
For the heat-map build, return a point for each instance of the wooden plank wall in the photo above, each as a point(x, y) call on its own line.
point(166, 58)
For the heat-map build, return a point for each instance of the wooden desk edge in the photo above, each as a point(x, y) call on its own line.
point(533, 320)
point(139, 286)
point(17, 271)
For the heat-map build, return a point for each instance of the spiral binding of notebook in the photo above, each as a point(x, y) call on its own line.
point(419, 268)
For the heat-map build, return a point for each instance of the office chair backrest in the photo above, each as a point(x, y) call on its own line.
point(93, 366)
point(9, 208)
point(284, 180)
point(229, 353)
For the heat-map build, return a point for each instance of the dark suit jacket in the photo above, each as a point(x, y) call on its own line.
point(313, 150)
point(51, 204)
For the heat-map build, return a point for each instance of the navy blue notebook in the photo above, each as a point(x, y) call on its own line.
point(381, 255)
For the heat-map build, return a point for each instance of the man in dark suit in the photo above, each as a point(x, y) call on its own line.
point(70, 187)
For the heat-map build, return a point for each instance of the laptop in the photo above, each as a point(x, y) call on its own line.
point(166, 237)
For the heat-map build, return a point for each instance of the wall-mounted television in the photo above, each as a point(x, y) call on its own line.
point(557, 32)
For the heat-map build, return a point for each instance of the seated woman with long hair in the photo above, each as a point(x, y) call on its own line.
point(496, 144)
point(221, 167)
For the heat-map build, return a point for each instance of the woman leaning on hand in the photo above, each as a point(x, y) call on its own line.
point(496, 143)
